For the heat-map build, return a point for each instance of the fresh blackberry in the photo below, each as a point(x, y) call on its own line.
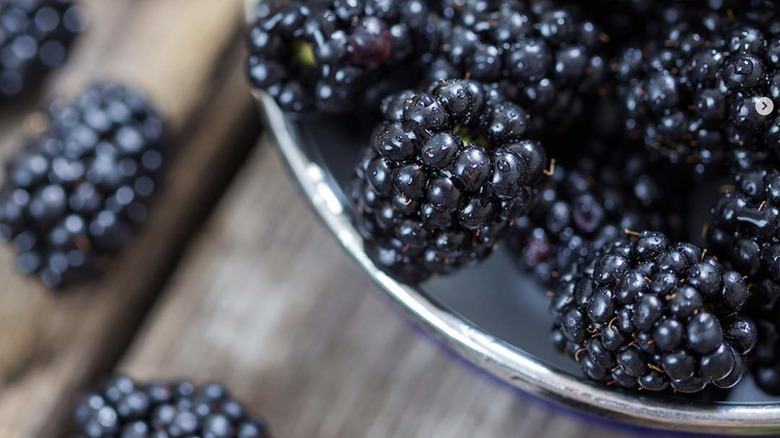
point(334, 55)
point(544, 57)
point(690, 95)
point(445, 174)
point(35, 37)
point(648, 313)
point(742, 230)
point(124, 408)
point(73, 195)
point(579, 209)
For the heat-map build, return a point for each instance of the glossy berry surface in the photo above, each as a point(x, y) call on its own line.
point(74, 194)
point(445, 174)
point(579, 209)
point(648, 313)
point(334, 56)
point(35, 37)
point(127, 409)
point(742, 229)
point(544, 56)
point(689, 96)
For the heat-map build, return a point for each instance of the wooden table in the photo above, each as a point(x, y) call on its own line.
point(233, 278)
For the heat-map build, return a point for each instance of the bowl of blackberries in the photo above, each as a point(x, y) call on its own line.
point(581, 198)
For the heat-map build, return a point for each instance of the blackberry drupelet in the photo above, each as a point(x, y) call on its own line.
point(690, 95)
point(124, 408)
point(580, 208)
point(334, 55)
point(544, 57)
point(35, 37)
point(445, 174)
point(648, 313)
point(73, 194)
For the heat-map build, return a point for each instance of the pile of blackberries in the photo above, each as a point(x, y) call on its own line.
point(121, 407)
point(494, 93)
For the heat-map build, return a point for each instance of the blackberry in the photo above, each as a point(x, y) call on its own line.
point(35, 38)
point(579, 209)
point(334, 55)
point(122, 407)
point(73, 194)
point(444, 176)
point(544, 57)
point(742, 233)
point(690, 94)
point(742, 229)
point(648, 313)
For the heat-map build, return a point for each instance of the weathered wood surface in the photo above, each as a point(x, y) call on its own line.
point(268, 302)
point(264, 300)
point(186, 55)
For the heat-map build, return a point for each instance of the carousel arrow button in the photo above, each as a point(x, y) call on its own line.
point(765, 106)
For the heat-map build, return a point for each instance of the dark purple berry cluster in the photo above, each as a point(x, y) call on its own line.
point(334, 55)
point(544, 56)
point(578, 210)
point(35, 37)
point(124, 408)
point(648, 313)
point(690, 95)
point(445, 175)
point(74, 194)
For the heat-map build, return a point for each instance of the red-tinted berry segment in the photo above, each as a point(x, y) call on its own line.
point(35, 37)
point(579, 209)
point(74, 194)
point(124, 408)
point(648, 313)
point(444, 176)
point(334, 55)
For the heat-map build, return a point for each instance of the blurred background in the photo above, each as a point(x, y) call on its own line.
point(232, 278)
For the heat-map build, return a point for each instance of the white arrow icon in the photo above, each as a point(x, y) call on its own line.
point(765, 106)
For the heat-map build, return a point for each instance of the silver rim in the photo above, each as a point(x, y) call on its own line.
point(506, 362)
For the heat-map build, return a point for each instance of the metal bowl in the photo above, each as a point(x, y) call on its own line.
point(493, 315)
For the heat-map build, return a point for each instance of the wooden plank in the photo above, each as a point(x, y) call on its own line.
point(267, 302)
point(186, 54)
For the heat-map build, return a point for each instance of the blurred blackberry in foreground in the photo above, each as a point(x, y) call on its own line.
point(544, 57)
point(74, 194)
point(648, 313)
point(690, 95)
point(126, 409)
point(334, 55)
point(35, 37)
point(444, 176)
point(579, 209)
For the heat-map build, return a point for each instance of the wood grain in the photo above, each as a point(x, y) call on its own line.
point(186, 55)
point(268, 302)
